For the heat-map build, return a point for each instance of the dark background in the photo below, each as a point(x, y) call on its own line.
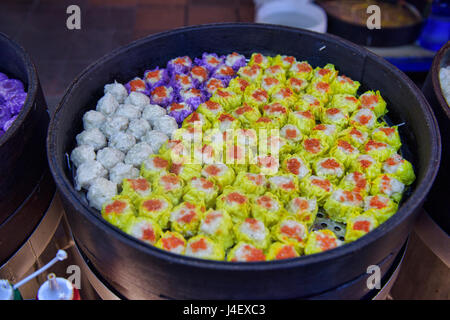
point(60, 54)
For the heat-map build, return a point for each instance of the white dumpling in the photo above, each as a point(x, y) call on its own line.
point(93, 137)
point(138, 128)
point(109, 157)
point(87, 172)
point(107, 104)
point(122, 141)
point(114, 124)
point(152, 112)
point(93, 119)
point(118, 90)
point(101, 191)
point(138, 154)
point(166, 124)
point(82, 154)
point(155, 139)
point(128, 111)
point(137, 99)
point(123, 171)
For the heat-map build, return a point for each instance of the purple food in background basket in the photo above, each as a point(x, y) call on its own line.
point(235, 60)
point(137, 85)
point(163, 96)
point(3, 76)
point(12, 99)
point(179, 65)
point(181, 81)
point(179, 111)
point(156, 77)
point(210, 61)
point(193, 97)
point(9, 123)
point(15, 102)
point(10, 85)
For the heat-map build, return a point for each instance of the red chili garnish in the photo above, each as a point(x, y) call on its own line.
point(198, 245)
point(243, 84)
point(160, 92)
point(116, 206)
point(289, 59)
point(307, 114)
point(226, 117)
point(345, 79)
point(172, 242)
point(170, 179)
point(363, 119)
point(194, 117)
point(388, 131)
point(212, 216)
point(326, 242)
point(148, 234)
point(188, 217)
point(265, 201)
point(303, 67)
point(260, 95)
point(368, 100)
point(375, 202)
point(253, 254)
point(374, 145)
point(333, 111)
point(212, 170)
point(139, 184)
point(302, 204)
point(323, 86)
point(153, 74)
point(270, 81)
point(254, 224)
point(324, 72)
point(223, 94)
point(160, 162)
point(286, 92)
point(137, 85)
point(245, 108)
point(258, 58)
point(345, 145)
point(352, 99)
point(264, 119)
point(212, 105)
point(199, 72)
point(236, 197)
point(330, 164)
point(320, 127)
point(226, 71)
point(324, 184)
point(286, 252)
point(288, 185)
point(291, 133)
point(365, 163)
point(362, 225)
point(175, 106)
point(296, 82)
point(152, 205)
point(176, 168)
point(292, 232)
point(312, 145)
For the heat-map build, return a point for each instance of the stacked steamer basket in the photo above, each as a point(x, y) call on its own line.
point(437, 203)
point(26, 186)
point(137, 270)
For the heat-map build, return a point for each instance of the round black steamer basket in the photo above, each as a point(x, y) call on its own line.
point(26, 185)
point(139, 271)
